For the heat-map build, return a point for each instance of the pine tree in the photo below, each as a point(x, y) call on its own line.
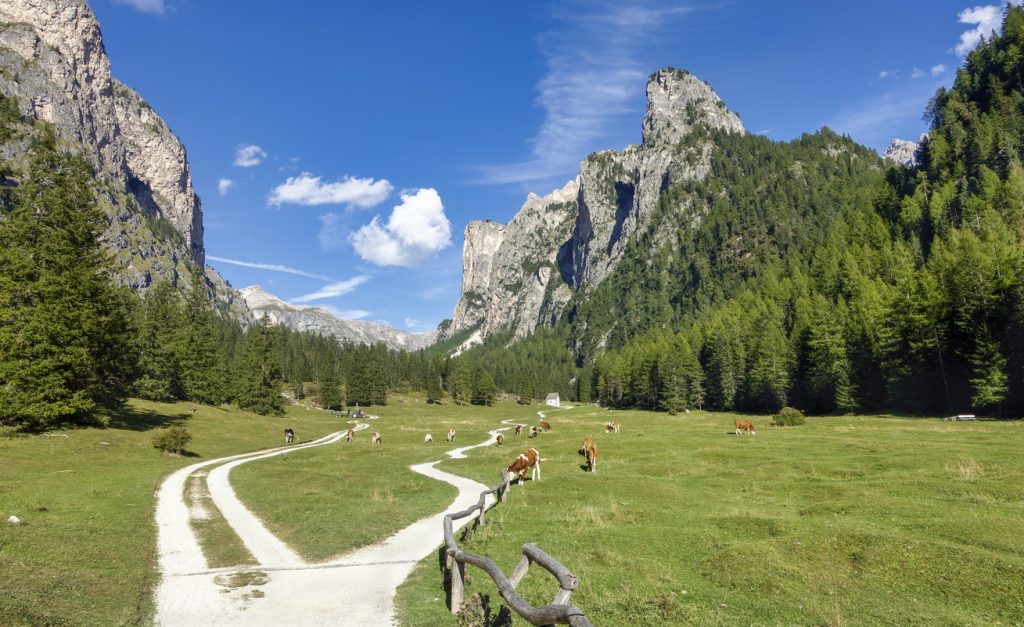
point(159, 368)
point(484, 389)
point(259, 379)
point(330, 386)
point(526, 393)
point(461, 382)
point(203, 376)
point(65, 330)
point(432, 383)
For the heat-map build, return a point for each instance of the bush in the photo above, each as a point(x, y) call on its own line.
point(173, 440)
point(788, 417)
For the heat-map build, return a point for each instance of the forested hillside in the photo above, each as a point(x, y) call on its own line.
point(812, 274)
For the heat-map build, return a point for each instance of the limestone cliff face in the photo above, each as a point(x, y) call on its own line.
point(53, 61)
point(521, 275)
point(510, 277)
point(904, 151)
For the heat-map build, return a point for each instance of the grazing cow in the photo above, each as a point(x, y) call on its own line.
point(375, 438)
point(350, 435)
point(526, 461)
point(519, 429)
point(545, 426)
point(589, 451)
point(451, 435)
point(611, 427)
point(499, 440)
point(745, 426)
point(289, 435)
point(533, 432)
point(427, 439)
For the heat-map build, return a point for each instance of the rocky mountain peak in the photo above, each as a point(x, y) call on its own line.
point(677, 101)
point(904, 151)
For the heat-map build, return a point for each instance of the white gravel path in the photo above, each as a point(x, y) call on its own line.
point(355, 589)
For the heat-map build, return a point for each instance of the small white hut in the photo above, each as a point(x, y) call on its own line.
point(552, 400)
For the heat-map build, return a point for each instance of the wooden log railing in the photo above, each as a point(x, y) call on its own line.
point(557, 612)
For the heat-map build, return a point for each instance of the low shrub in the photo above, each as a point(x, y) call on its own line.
point(788, 417)
point(173, 439)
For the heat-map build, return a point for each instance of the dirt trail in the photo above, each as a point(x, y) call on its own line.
point(355, 589)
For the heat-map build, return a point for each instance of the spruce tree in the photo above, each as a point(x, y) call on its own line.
point(461, 382)
point(65, 330)
point(259, 380)
point(159, 329)
point(484, 390)
point(432, 383)
point(203, 376)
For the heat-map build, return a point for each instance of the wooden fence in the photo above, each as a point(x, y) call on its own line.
point(558, 612)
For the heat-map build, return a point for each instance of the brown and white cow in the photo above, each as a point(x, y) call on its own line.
point(519, 429)
point(499, 440)
point(545, 426)
point(527, 460)
point(744, 426)
point(375, 438)
point(350, 435)
point(611, 427)
point(589, 451)
point(451, 435)
point(533, 432)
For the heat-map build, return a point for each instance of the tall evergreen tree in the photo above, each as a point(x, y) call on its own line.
point(65, 330)
point(484, 391)
point(203, 372)
point(259, 379)
point(159, 329)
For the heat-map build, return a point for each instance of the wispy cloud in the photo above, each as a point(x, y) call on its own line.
point(595, 75)
point(346, 314)
point(249, 155)
point(416, 229)
point(269, 266)
point(877, 120)
point(307, 189)
point(334, 289)
point(158, 7)
point(938, 70)
point(224, 186)
point(409, 322)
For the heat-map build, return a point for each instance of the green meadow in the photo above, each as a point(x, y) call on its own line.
point(85, 553)
point(844, 520)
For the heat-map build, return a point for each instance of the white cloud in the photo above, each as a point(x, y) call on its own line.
point(916, 73)
point(938, 69)
point(268, 266)
point(409, 322)
point(224, 185)
point(249, 155)
point(307, 189)
point(146, 6)
point(417, 229)
point(883, 74)
point(334, 289)
point(346, 314)
point(987, 18)
point(592, 87)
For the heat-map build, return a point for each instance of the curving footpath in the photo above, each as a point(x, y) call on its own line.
point(355, 589)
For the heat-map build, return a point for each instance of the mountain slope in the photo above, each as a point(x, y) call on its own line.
point(52, 61)
point(321, 321)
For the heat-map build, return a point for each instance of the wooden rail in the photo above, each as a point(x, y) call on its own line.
point(557, 612)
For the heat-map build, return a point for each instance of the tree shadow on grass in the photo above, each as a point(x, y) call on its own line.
point(143, 420)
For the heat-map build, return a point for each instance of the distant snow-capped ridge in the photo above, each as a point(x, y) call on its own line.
point(320, 320)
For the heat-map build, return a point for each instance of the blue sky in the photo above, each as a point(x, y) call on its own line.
point(340, 148)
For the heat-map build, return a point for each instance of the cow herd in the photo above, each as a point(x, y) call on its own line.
point(530, 459)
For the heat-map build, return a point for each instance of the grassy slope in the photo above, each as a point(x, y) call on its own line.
point(329, 500)
point(86, 551)
point(848, 520)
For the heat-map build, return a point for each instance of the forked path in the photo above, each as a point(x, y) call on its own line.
point(355, 589)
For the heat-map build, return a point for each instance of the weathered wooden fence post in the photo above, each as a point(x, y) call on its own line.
point(458, 586)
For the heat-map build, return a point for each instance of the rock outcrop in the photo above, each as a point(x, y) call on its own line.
point(320, 320)
point(52, 60)
point(904, 151)
point(523, 274)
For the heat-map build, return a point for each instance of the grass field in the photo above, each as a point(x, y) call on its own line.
point(845, 520)
point(85, 553)
point(328, 500)
point(842, 521)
